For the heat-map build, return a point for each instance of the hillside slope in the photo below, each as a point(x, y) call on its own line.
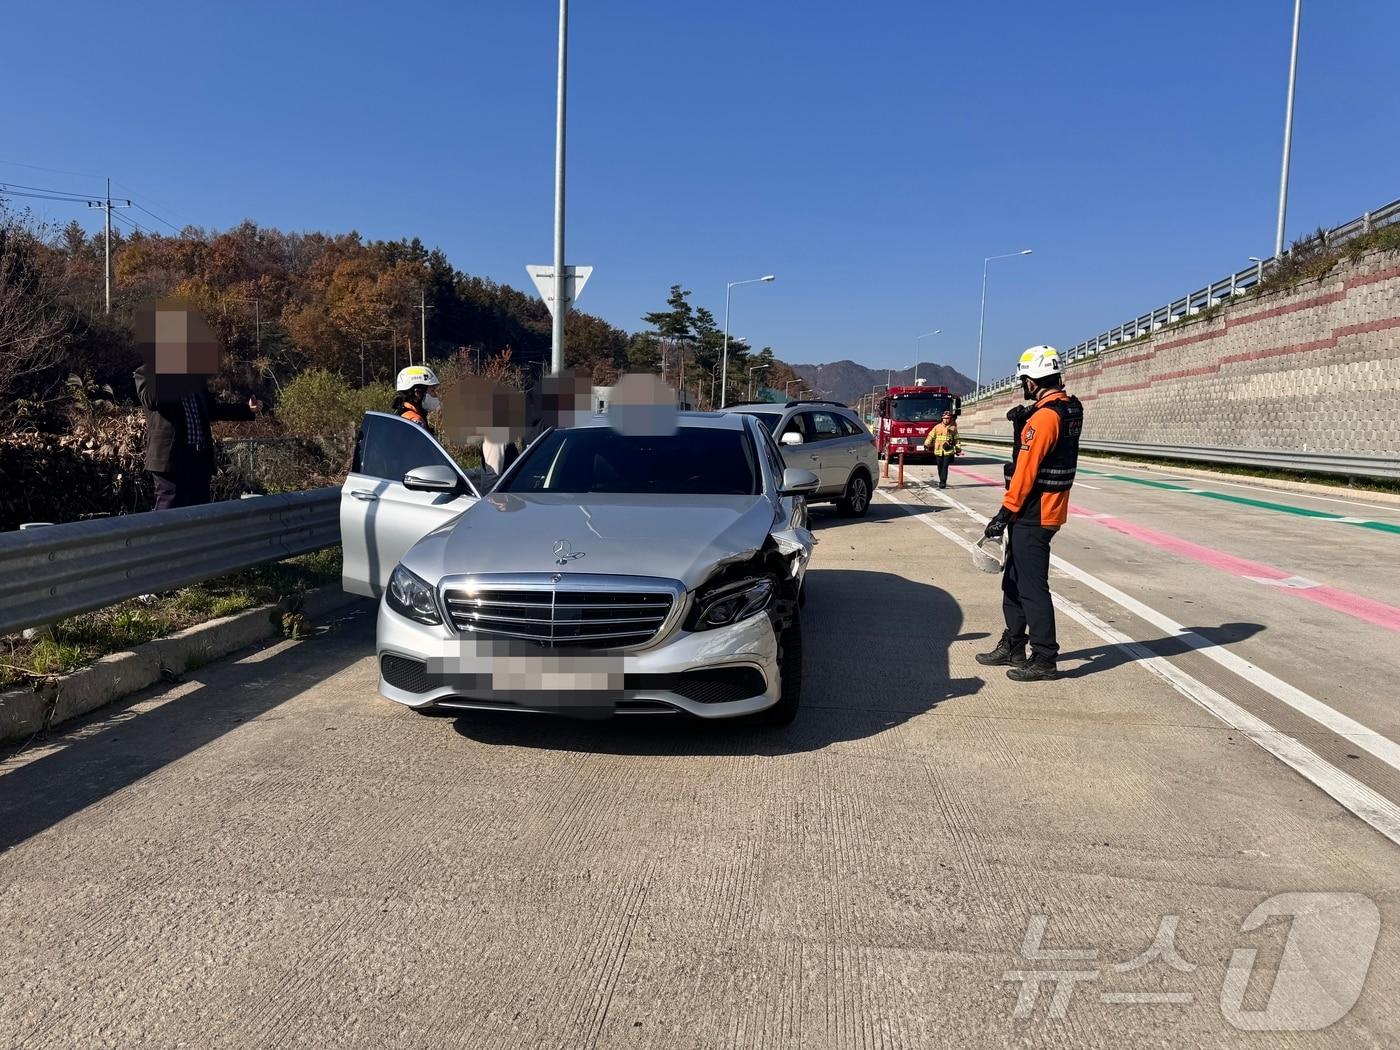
point(846, 381)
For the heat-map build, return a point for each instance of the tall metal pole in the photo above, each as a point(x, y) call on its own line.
point(107, 252)
point(981, 324)
point(724, 366)
point(560, 283)
point(423, 313)
point(1287, 132)
point(982, 316)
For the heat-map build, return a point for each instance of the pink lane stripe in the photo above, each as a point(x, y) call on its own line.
point(1378, 613)
point(995, 482)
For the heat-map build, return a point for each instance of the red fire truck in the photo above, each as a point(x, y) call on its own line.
point(907, 413)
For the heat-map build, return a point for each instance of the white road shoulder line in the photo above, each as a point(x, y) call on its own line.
point(1344, 726)
point(1366, 803)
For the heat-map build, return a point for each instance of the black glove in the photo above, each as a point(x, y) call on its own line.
point(998, 524)
point(1018, 413)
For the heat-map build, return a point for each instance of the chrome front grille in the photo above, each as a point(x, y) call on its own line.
point(597, 613)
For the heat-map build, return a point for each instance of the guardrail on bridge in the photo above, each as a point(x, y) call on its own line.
point(1223, 290)
point(1339, 463)
point(49, 573)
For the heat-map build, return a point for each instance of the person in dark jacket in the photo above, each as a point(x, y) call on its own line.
point(180, 354)
point(179, 440)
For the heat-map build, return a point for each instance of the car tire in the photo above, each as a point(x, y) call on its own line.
point(856, 499)
point(790, 669)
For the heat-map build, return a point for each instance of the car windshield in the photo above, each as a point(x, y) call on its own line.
point(693, 460)
point(920, 409)
point(768, 419)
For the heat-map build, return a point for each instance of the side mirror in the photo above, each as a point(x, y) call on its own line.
point(434, 478)
point(798, 482)
point(791, 437)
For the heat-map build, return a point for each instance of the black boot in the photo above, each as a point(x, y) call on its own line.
point(1005, 654)
point(1036, 669)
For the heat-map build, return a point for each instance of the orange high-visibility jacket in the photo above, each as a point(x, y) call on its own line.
point(1045, 463)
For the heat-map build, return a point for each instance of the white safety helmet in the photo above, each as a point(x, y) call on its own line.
point(415, 375)
point(985, 560)
point(1039, 362)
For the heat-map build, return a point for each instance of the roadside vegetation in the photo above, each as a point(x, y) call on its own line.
point(81, 640)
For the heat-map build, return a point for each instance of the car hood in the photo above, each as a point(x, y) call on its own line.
point(676, 537)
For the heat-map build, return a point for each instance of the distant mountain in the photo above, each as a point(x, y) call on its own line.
point(846, 381)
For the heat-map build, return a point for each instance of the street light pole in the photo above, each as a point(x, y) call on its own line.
point(560, 283)
point(724, 367)
point(936, 331)
point(1287, 132)
point(982, 317)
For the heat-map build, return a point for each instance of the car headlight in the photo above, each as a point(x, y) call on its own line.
point(409, 596)
point(731, 603)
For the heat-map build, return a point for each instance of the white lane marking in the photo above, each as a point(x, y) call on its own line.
point(1344, 726)
point(1364, 802)
point(1296, 583)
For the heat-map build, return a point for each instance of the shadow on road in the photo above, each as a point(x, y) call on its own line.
point(824, 516)
point(875, 649)
point(1106, 657)
point(115, 747)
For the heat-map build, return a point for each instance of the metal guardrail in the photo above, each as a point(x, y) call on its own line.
point(1340, 463)
point(1223, 290)
point(49, 573)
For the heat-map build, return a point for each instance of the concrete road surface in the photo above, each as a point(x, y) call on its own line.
point(269, 855)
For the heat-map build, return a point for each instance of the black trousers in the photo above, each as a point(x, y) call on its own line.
point(942, 462)
point(1025, 590)
point(183, 485)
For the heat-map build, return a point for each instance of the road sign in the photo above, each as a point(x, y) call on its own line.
point(575, 277)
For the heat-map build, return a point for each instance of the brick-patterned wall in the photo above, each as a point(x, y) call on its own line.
point(1317, 367)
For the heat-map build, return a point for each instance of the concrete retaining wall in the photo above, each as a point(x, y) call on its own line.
point(1315, 368)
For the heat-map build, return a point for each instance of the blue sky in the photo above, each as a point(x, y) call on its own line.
point(870, 155)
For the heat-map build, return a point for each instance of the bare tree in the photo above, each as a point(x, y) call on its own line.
point(31, 318)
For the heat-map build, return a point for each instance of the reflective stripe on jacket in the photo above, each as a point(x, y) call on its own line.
point(943, 440)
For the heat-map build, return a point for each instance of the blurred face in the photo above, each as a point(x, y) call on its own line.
point(177, 347)
point(947, 418)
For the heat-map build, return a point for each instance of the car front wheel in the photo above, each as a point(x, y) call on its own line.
point(790, 670)
point(856, 500)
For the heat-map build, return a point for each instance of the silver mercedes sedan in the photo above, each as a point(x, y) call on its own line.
point(605, 573)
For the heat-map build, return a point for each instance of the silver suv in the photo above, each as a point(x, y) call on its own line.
point(605, 573)
point(827, 438)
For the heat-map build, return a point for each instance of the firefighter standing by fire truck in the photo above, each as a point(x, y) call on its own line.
point(1044, 454)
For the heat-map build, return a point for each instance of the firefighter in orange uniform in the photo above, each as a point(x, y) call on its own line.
point(415, 395)
point(1036, 504)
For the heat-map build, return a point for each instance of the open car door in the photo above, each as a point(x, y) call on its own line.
point(380, 516)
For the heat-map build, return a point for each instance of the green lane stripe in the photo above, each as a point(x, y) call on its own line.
point(1149, 482)
point(1225, 497)
point(1282, 508)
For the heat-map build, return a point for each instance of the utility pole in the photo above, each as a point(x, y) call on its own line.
point(257, 322)
point(423, 311)
point(1287, 133)
point(561, 305)
point(107, 204)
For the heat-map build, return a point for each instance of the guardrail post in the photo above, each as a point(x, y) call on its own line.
point(39, 630)
point(1366, 222)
